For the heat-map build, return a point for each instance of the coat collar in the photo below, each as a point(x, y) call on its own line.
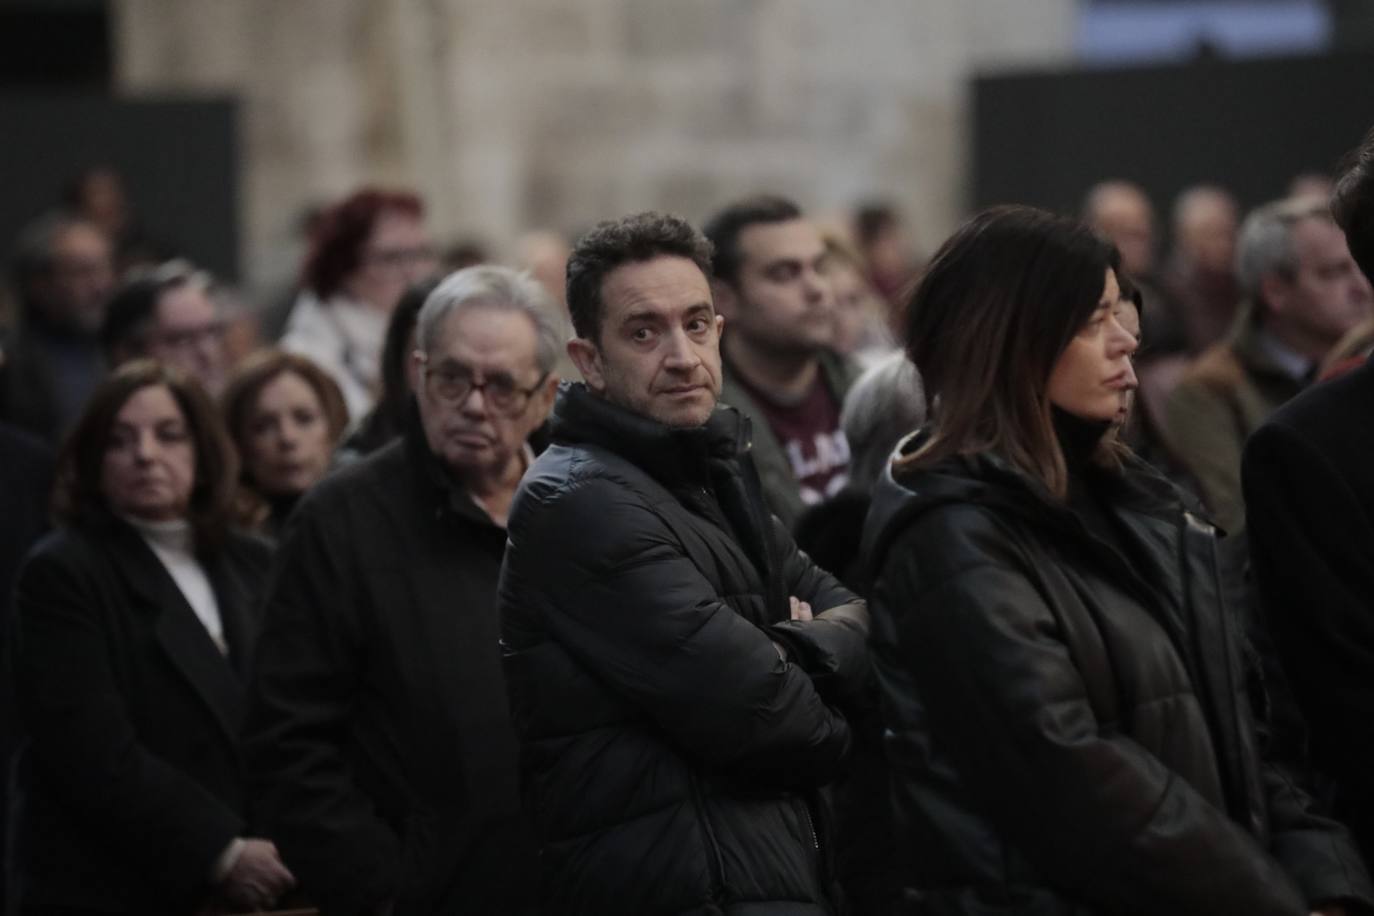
point(216, 679)
point(670, 455)
point(1264, 355)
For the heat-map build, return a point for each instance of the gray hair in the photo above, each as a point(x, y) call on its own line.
point(1265, 243)
point(887, 402)
point(503, 288)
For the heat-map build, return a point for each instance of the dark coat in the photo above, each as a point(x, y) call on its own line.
point(131, 785)
point(1071, 730)
point(46, 376)
point(670, 756)
point(26, 467)
point(1309, 491)
point(380, 749)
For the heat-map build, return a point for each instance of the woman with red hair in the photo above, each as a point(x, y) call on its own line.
point(364, 253)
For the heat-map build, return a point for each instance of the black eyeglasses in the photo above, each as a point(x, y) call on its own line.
point(453, 383)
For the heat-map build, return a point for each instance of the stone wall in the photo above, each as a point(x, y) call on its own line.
point(512, 114)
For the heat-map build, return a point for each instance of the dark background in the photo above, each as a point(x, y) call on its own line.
point(58, 115)
point(1250, 126)
point(179, 159)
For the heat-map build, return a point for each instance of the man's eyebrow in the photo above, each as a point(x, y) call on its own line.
point(642, 315)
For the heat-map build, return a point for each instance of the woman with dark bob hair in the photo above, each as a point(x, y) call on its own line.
point(285, 415)
point(1068, 697)
point(135, 623)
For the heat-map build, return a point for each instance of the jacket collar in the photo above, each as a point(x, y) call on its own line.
point(215, 678)
point(988, 479)
point(1256, 350)
point(668, 454)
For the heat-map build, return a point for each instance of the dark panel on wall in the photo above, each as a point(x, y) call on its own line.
point(179, 159)
point(1248, 125)
point(54, 44)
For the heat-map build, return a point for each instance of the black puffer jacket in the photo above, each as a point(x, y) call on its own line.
point(1070, 729)
point(670, 757)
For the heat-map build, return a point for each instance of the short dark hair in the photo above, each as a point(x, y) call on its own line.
point(610, 244)
point(78, 498)
point(725, 228)
point(340, 233)
point(133, 307)
point(1352, 203)
point(996, 307)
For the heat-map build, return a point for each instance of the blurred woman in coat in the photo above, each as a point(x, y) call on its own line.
point(135, 623)
point(1071, 701)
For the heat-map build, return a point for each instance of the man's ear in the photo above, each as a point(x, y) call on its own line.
point(587, 358)
point(414, 362)
point(1275, 289)
point(543, 398)
point(725, 299)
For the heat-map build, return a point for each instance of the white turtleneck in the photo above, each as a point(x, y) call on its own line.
point(172, 542)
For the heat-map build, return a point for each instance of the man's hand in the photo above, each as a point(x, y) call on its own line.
point(258, 878)
point(1335, 909)
point(800, 609)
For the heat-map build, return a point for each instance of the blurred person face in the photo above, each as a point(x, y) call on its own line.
point(659, 352)
point(855, 305)
point(889, 252)
point(1207, 233)
point(545, 256)
point(1093, 377)
point(73, 294)
point(149, 466)
point(1327, 294)
point(397, 253)
point(189, 335)
point(782, 301)
point(1124, 215)
point(1311, 185)
point(104, 203)
point(287, 440)
point(481, 391)
point(1128, 316)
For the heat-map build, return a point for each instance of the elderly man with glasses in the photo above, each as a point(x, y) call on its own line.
point(379, 748)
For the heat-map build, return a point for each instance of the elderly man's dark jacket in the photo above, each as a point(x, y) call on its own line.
point(1309, 492)
point(131, 784)
point(381, 755)
point(671, 756)
point(1070, 720)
